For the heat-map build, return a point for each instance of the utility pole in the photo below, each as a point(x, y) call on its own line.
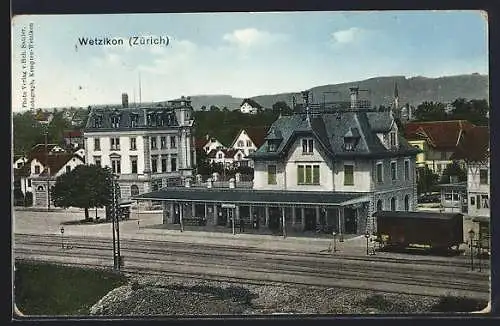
point(47, 167)
point(113, 220)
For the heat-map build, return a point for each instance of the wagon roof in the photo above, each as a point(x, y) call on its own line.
point(417, 215)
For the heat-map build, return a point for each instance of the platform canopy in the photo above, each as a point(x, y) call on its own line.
point(255, 197)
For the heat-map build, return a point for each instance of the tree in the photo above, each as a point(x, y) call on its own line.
point(453, 169)
point(426, 180)
point(203, 108)
point(281, 107)
point(214, 108)
point(85, 186)
point(474, 111)
point(431, 111)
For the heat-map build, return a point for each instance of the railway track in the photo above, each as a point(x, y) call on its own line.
point(249, 265)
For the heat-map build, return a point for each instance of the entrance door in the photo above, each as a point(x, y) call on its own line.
point(351, 225)
point(177, 214)
point(221, 215)
point(274, 218)
point(310, 219)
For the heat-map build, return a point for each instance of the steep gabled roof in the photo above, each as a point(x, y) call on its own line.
point(228, 152)
point(256, 134)
point(56, 161)
point(474, 146)
point(252, 103)
point(442, 135)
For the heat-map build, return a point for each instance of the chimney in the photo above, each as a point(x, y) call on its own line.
point(210, 183)
point(125, 100)
point(232, 184)
point(187, 182)
point(354, 97)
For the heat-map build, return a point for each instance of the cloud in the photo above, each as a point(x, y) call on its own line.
point(347, 35)
point(178, 55)
point(249, 37)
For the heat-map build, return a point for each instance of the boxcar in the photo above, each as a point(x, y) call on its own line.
point(440, 231)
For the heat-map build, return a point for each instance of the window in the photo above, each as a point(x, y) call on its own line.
point(173, 164)
point(271, 174)
point(133, 164)
point(134, 190)
point(219, 155)
point(438, 168)
point(133, 120)
point(393, 139)
point(472, 201)
point(97, 144)
point(115, 144)
point(29, 182)
point(393, 204)
point(133, 144)
point(241, 143)
point(37, 169)
point(154, 163)
point(483, 176)
point(485, 203)
point(172, 142)
point(116, 166)
point(407, 170)
point(19, 164)
point(68, 168)
point(348, 175)
point(249, 143)
point(394, 171)
point(97, 160)
point(307, 146)
point(163, 164)
point(379, 205)
point(478, 201)
point(40, 188)
point(443, 155)
point(163, 142)
point(380, 172)
point(407, 203)
point(308, 174)
point(153, 143)
point(115, 122)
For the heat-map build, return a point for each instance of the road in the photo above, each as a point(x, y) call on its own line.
point(246, 258)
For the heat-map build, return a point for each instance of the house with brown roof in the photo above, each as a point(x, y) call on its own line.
point(228, 157)
point(249, 106)
point(248, 140)
point(73, 138)
point(438, 141)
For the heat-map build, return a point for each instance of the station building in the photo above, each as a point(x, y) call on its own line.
point(318, 168)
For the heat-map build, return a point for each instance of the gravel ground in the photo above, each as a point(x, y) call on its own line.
point(153, 295)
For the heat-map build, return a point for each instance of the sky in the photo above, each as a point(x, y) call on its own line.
point(238, 54)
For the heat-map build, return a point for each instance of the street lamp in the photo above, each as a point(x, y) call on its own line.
point(367, 236)
point(62, 237)
point(471, 237)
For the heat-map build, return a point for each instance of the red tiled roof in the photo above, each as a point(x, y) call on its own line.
point(72, 134)
point(440, 134)
point(474, 145)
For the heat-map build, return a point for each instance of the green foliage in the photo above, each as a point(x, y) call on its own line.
point(453, 169)
point(85, 186)
point(281, 107)
point(474, 111)
point(46, 289)
point(426, 180)
point(458, 304)
point(225, 125)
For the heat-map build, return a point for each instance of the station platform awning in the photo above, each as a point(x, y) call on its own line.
point(255, 197)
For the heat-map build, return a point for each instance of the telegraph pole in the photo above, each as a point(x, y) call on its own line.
point(113, 220)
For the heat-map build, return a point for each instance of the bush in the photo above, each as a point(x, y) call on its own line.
point(458, 304)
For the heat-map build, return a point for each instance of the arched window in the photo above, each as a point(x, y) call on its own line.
point(379, 205)
point(407, 203)
point(393, 203)
point(40, 188)
point(134, 190)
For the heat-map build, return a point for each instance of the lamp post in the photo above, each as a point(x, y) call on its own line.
point(334, 241)
point(62, 237)
point(367, 236)
point(471, 236)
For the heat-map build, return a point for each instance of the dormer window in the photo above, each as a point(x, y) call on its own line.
point(392, 139)
point(115, 121)
point(98, 121)
point(351, 139)
point(274, 139)
point(134, 117)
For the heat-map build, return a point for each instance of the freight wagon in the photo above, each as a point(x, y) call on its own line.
point(440, 231)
